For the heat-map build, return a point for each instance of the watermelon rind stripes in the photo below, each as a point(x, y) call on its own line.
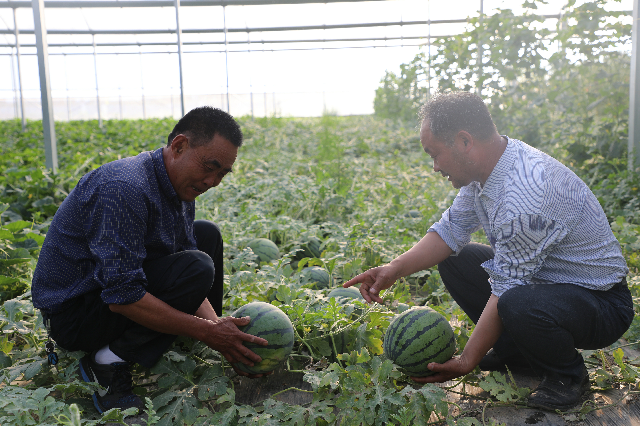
point(317, 276)
point(273, 325)
point(345, 294)
point(265, 249)
point(417, 337)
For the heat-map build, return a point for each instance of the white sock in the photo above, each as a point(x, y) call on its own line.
point(105, 356)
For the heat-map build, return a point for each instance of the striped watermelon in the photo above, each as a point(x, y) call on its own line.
point(312, 247)
point(344, 295)
point(417, 337)
point(265, 249)
point(273, 325)
point(316, 275)
point(402, 307)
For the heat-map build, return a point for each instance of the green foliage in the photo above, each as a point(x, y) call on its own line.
point(352, 185)
point(563, 90)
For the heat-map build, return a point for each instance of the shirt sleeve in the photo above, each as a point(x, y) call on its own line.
point(522, 245)
point(115, 228)
point(459, 221)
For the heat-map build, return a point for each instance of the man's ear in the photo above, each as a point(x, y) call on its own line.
point(179, 144)
point(466, 139)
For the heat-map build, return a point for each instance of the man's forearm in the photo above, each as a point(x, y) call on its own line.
point(157, 315)
point(428, 252)
point(486, 333)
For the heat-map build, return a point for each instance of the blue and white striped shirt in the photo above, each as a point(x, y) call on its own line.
point(544, 224)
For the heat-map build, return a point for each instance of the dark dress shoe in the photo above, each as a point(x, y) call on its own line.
point(557, 392)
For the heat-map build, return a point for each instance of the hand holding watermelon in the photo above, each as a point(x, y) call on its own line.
point(225, 337)
point(456, 367)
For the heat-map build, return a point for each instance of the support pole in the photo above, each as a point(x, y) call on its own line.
point(17, 33)
point(480, 52)
point(95, 69)
point(429, 51)
point(144, 107)
point(634, 92)
point(250, 82)
point(48, 125)
point(179, 34)
point(226, 51)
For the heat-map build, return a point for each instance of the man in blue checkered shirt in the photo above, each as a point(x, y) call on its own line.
point(125, 268)
point(551, 280)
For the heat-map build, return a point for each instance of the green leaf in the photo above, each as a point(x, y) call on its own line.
point(17, 226)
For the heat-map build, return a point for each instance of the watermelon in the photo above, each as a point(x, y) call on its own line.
point(265, 249)
point(402, 307)
point(316, 275)
point(417, 337)
point(273, 325)
point(312, 247)
point(344, 295)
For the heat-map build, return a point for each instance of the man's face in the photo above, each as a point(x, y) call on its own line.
point(193, 170)
point(450, 161)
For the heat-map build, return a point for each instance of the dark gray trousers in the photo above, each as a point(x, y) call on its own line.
point(543, 322)
point(182, 280)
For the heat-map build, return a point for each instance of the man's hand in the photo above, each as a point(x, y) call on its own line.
point(374, 281)
point(224, 336)
point(455, 367)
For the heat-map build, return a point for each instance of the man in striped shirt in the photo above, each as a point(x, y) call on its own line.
point(551, 280)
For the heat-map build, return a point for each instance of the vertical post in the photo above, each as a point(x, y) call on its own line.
point(14, 87)
point(179, 33)
point(226, 51)
point(17, 33)
point(634, 92)
point(250, 82)
point(48, 125)
point(144, 108)
point(480, 52)
point(66, 86)
point(429, 51)
point(95, 69)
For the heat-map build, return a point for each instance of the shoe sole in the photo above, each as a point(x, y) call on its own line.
point(87, 379)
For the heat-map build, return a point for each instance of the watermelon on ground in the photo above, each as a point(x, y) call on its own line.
point(312, 247)
point(271, 324)
point(344, 295)
point(265, 249)
point(316, 275)
point(417, 337)
point(402, 307)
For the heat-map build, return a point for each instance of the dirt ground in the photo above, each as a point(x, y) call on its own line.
point(621, 410)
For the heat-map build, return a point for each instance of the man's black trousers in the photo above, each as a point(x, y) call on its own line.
point(182, 280)
point(543, 322)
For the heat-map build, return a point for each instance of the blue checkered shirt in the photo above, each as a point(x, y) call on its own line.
point(118, 216)
point(544, 224)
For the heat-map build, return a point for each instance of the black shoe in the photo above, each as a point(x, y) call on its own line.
point(559, 392)
point(116, 379)
point(494, 362)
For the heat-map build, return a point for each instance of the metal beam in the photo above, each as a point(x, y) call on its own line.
point(634, 92)
point(248, 30)
point(48, 125)
point(179, 33)
point(167, 3)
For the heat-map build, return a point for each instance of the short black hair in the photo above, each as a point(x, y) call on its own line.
point(450, 112)
point(203, 123)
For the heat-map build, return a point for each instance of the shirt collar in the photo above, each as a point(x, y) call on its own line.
point(494, 184)
point(163, 178)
